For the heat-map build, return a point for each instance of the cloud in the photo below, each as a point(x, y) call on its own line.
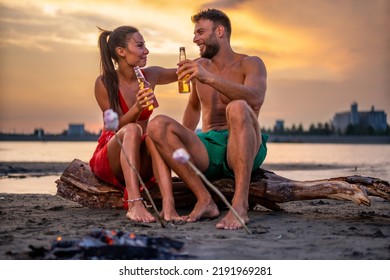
point(319, 54)
point(223, 4)
point(315, 36)
point(35, 27)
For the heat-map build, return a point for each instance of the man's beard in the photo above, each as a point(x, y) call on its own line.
point(210, 51)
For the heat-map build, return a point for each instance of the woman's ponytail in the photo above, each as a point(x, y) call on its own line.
point(110, 77)
point(108, 42)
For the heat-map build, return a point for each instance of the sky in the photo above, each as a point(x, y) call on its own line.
point(320, 55)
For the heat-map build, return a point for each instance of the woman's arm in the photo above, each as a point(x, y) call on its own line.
point(160, 76)
point(101, 96)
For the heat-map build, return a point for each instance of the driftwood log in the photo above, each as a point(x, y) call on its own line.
point(77, 183)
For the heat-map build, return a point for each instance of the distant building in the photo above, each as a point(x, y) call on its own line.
point(76, 129)
point(279, 126)
point(375, 119)
point(39, 132)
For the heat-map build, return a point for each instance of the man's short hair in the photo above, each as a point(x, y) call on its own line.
point(216, 16)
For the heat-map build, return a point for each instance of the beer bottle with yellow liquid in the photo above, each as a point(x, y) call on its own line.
point(184, 84)
point(143, 83)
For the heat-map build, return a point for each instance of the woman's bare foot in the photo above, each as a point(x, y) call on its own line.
point(207, 210)
point(230, 221)
point(170, 215)
point(138, 213)
point(168, 212)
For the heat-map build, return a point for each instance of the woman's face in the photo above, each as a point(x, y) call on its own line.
point(136, 52)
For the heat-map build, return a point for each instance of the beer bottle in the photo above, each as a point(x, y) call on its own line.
point(184, 84)
point(143, 83)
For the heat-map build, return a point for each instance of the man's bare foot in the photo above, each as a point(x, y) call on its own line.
point(138, 213)
point(206, 210)
point(230, 221)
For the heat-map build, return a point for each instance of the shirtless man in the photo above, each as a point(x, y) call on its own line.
point(228, 90)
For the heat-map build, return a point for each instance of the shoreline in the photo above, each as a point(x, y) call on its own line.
point(273, 138)
point(31, 169)
point(329, 139)
point(18, 169)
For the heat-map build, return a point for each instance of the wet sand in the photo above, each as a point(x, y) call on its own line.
point(315, 230)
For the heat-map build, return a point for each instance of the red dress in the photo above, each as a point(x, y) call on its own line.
point(99, 163)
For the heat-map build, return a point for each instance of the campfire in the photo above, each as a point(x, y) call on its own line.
point(111, 245)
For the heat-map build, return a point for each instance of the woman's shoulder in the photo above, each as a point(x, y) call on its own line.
point(99, 80)
point(99, 85)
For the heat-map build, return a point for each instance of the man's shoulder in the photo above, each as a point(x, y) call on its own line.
point(250, 63)
point(251, 59)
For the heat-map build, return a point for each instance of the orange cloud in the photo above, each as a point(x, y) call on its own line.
point(316, 52)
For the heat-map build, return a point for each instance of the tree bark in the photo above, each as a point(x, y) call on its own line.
point(77, 183)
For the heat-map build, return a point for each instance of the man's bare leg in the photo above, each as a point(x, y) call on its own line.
point(243, 145)
point(168, 136)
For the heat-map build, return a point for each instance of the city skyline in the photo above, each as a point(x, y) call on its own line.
point(278, 123)
point(320, 56)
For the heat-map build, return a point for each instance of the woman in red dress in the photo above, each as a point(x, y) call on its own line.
point(117, 88)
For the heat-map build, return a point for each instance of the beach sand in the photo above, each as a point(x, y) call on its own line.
point(315, 230)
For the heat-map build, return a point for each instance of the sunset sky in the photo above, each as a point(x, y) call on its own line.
point(321, 56)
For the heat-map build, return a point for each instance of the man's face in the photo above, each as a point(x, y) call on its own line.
point(204, 37)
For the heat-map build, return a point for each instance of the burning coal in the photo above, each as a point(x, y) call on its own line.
point(111, 245)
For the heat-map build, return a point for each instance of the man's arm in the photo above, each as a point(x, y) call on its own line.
point(252, 90)
point(191, 115)
point(254, 86)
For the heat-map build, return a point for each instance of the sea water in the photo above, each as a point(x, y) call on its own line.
point(298, 161)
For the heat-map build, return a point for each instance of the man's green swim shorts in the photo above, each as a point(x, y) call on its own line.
point(215, 142)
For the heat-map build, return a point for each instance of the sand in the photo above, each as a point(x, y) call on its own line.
point(314, 230)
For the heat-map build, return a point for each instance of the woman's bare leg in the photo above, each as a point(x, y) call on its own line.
point(130, 136)
point(163, 177)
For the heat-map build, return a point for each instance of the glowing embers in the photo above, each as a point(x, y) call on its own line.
point(112, 245)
